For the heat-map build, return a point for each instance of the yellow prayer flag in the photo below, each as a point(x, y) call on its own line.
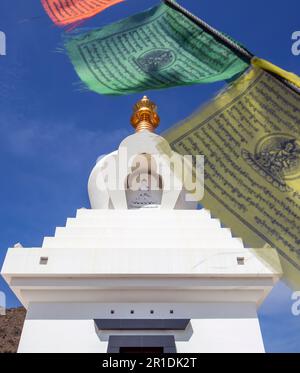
point(250, 137)
point(268, 66)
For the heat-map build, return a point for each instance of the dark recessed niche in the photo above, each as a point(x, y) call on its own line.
point(141, 324)
point(43, 260)
point(240, 260)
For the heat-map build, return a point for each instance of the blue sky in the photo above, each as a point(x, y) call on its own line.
point(51, 132)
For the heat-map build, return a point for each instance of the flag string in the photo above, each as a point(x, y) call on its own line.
point(288, 77)
point(244, 53)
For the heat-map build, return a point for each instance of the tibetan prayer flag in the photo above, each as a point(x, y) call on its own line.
point(66, 12)
point(250, 137)
point(268, 66)
point(156, 49)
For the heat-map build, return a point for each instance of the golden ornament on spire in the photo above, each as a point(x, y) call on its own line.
point(145, 115)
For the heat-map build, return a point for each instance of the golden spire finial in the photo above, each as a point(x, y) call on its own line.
point(145, 115)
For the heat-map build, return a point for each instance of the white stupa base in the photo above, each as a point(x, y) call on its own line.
point(140, 265)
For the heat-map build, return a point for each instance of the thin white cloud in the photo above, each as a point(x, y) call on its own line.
point(64, 143)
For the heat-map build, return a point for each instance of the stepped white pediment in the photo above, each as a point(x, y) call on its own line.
point(139, 242)
point(144, 229)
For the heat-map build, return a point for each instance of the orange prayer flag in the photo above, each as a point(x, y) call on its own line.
point(66, 12)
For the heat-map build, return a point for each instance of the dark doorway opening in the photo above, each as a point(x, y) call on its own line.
point(158, 344)
point(141, 350)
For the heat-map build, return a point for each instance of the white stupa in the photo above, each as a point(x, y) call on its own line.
point(143, 269)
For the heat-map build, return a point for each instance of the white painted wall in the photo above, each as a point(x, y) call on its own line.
point(216, 327)
point(236, 335)
point(60, 336)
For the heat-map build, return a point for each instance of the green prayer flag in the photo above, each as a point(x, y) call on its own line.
point(159, 48)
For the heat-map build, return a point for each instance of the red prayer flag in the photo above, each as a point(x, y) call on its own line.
point(66, 12)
